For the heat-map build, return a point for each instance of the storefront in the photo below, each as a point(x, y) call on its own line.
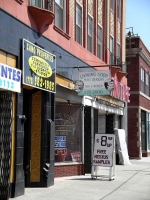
point(39, 72)
point(10, 85)
point(68, 130)
point(78, 117)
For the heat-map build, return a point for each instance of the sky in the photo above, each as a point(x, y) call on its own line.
point(138, 17)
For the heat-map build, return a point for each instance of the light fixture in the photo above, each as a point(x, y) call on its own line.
point(69, 102)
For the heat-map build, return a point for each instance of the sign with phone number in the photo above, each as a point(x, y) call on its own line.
point(39, 67)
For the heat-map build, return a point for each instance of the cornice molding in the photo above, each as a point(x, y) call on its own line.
point(141, 52)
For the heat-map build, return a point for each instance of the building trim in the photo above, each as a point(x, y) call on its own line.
point(140, 93)
point(141, 52)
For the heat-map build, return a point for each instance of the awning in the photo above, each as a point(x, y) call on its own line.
point(91, 101)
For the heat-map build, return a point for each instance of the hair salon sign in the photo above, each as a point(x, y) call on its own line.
point(95, 83)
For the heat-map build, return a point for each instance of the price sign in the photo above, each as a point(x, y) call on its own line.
point(103, 150)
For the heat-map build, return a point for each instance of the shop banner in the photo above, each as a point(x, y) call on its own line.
point(10, 78)
point(96, 82)
point(39, 67)
point(103, 150)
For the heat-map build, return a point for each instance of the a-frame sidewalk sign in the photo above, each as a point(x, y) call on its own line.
point(104, 155)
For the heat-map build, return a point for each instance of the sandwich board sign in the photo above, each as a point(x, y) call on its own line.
point(104, 152)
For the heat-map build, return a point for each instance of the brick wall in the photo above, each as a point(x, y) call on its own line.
point(133, 73)
point(144, 102)
point(133, 137)
point(68, 170)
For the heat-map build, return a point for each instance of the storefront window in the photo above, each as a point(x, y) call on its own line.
point(148, 130)
point(68, 133)
point(143, 131)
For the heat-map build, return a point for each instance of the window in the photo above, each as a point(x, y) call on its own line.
point(148, 131)
point(90, 34)
point(142, 79)
point(112, 5)
point(143, 130)
point(60, 15)
point(38, 3)
point(111, 50)
point(68, 133)
point(119, 9)
point(147, 84)
point(118, 54)
point(99, 42)
point(79, 24)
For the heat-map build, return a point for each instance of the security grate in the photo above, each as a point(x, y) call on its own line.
point(5, 142)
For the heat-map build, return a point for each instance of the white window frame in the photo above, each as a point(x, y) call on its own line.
point(36, 3)
point(100, 54)
point(64, 15)
point(142, 74)
point(81, 34)
point(91, 50)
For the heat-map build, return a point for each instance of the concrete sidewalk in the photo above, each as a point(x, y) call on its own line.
point(132, 182)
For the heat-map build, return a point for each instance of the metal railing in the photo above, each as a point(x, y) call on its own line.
point(45, 4)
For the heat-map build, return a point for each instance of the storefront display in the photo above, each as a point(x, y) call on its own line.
point(68, 133)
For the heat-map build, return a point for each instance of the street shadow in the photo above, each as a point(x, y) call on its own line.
point(101, 178)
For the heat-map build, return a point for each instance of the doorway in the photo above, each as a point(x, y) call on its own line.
point(32, 109)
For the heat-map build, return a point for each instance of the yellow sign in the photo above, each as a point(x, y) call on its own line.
point(40, 66)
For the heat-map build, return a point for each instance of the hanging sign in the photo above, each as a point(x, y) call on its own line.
point(10, 78)
point(39, 67)
point(103, 150)
point(96, 82)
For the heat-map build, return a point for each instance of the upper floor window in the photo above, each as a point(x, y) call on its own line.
point(118, 54)
point(112, 5)
point(60, 14)
point(147, 79)
point(111, 50)
point(147, 84)
point(79, 24)
point(90, 34)
point(99, 42)
point(142, 79)
point(119, 9)
point(142, 74)
point(38, 3)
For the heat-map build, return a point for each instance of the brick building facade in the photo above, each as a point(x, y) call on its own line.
point(50, 124)
point(138, 59)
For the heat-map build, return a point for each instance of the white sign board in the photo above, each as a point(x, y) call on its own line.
point(10, 78)
point(103, 150)
point(95, 82)
point(122, 146)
